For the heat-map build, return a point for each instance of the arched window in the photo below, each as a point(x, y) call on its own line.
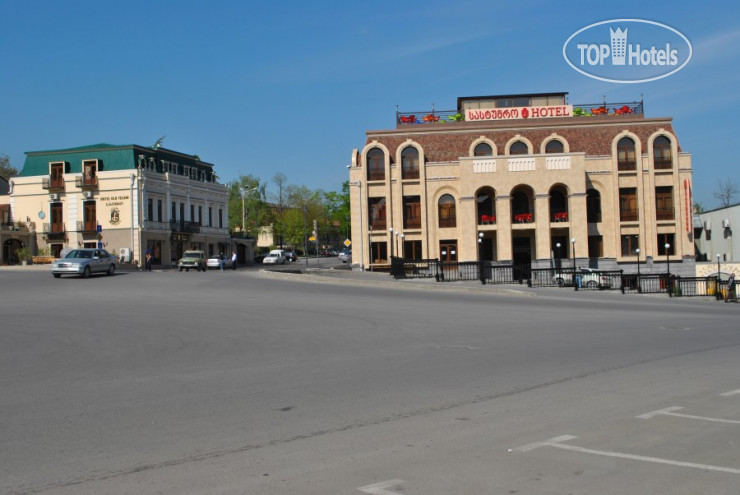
point(483, 149)
point(554, 146)
point(519, 148)
point(626, 154)
point(522, 206)
point(410, 163)
point(662, 153)
point(486, 204)
point(375, 164)
point(558, 206)
point(593, 206)
point(447, 214)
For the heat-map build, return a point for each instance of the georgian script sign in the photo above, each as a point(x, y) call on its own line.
point(510, 113)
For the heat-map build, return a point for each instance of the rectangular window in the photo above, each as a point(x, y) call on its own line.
point(668, 239)
point(595, 246)
point(150, 209)
point(411, 212)
point(89, 216)
point(192, 213)
point(378, 252)
point(412, 250)
point(210, 216)
point(56, 179)
point(200, 214)
point(628, 211)
point(664, 203)
point(448, 250)
point(376, 213)
point(630, 242)
point(57, 222)
point(174, 212)
point(89, 173)
point(159, 210)
point(220, 218)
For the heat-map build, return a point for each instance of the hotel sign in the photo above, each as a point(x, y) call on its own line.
point(511, 113)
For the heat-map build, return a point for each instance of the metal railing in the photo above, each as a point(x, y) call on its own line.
point(184, 226)
point(488, 272)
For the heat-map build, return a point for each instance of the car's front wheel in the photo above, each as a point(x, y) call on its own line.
point(86, 272)
point(591, 284)
point(112, 269)
point(560, 281)
point(57, 275)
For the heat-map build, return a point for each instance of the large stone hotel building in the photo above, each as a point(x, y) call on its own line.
point(525, 179)
point(127, 198)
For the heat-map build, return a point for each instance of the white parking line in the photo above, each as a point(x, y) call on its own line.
point(731, 393)
point(557, 443)
point(669, 411)
point(380, 488)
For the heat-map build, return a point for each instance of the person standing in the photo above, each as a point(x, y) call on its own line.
point(233, 260)
point(148, 262)
point(731, 289)
point(221, 261)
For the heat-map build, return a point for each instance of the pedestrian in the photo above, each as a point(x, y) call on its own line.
point(731, 289)
point(233, 260)
point(221, 261)
point(148, 262)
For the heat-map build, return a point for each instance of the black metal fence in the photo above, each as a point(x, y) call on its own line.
point(488, 272)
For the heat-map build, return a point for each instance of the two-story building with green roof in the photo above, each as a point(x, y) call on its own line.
point(128, 199)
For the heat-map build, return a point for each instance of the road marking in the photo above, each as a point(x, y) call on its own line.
point(557, 443)
point(669, 411)
point(380, 488)
point(733, 392)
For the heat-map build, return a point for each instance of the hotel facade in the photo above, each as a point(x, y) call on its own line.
point(528, 180)
point(127, 199)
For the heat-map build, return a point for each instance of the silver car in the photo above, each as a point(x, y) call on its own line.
point(84, 262)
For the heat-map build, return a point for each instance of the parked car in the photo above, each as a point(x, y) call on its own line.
point(291, 256)
point(589, 278)
point(84, 262)
point(213, 262)
point(276, 256)
point(192, 259)
point(345, 256)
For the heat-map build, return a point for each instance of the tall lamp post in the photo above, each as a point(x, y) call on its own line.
point(668, 269)
point(480, 258)
point(557, 245)
point(716, 291)
point(403, 246)
point(637, 252)
point(390, 230)
point(573, 244)
point(244, 217)
point(398, 251)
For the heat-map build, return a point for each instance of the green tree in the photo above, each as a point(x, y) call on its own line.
point(6, 171)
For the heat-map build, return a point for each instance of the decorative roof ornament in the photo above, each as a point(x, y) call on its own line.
point(159, 142)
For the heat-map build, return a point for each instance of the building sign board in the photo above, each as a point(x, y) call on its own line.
point(510, 113)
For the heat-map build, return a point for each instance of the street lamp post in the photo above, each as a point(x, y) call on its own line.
point(480, 259)
point(668, 268)
point(573, 244)
point(370, 241)
point(244, 193)
point(557, 245)
point(403, 246)
point(637, 251)
point(716, 291)
point(397, 250)
point(390, 230)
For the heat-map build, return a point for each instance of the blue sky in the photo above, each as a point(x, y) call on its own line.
point(266, 87)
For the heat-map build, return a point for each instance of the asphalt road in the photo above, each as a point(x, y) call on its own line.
point(240, 383)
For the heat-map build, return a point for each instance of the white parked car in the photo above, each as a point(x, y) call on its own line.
point(589, 277)
point(276, 256)
point(213, 262)
point(84, 262)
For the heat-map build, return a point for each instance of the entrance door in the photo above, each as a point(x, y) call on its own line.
point(522, 251)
